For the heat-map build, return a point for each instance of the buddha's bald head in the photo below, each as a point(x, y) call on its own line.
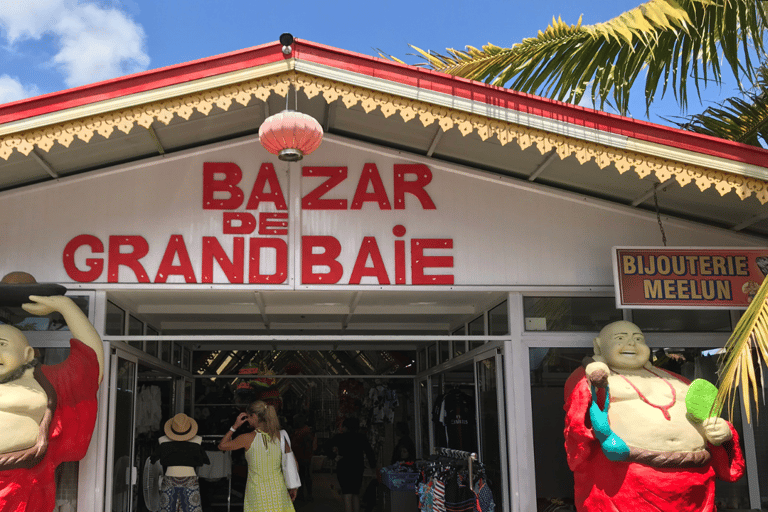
point(622, 345)
point(14, 350)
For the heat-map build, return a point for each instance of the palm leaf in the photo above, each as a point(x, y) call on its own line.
point(746, 348)
point(742, 119)
point(671, 39)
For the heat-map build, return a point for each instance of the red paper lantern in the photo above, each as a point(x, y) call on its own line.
point(290, 135)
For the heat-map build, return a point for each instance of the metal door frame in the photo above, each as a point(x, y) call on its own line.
point(115, 355)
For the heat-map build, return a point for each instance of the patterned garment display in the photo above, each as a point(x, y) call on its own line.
point(445, 487)
point(265, 490)
point(383, 401)
point(484, 496)
point(180, 494)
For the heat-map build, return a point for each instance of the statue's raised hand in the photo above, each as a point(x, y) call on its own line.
point(46, 305)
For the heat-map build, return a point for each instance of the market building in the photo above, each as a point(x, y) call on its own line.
point(448, 240)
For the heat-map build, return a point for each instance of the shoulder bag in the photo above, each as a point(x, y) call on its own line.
point(290, 466)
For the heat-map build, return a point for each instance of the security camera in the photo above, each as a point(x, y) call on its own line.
point(286, 40)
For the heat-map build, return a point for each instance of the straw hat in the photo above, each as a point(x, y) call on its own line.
point(180, 428)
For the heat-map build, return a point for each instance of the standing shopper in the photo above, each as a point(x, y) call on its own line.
point(265, 489)
point(180, 451)
point(304, 444)
point(350, 446)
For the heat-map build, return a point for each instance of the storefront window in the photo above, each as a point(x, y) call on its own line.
point(24, 321)
point(476, 328)
point(550, 368)
point(152, 346)
point(445, 350)
point(115, 320)
point(459, 346)
point(569, 313)
point(176, 355)
point(424, 416)
point(488, 421)
point(498, 320)
point(135, 328)
point(432, 355)
point(165, 351)
point(682, 320)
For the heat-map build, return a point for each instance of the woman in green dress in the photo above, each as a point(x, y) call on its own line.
point(265, 489)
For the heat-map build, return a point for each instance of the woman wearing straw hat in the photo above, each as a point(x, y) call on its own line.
point(265, 490)
point(180, 452)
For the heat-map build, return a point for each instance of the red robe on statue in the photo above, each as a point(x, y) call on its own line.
point(602, 486)
point(76, 382)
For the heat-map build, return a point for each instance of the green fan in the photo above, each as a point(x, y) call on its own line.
point(700, 400)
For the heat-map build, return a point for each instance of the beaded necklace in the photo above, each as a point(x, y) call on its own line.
point(663, 408)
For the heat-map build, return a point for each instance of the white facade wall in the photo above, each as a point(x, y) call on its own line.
point(503, 232)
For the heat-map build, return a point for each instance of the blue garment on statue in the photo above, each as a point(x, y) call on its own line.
point(614, 448)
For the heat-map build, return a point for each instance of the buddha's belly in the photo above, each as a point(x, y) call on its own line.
point(645, 427)
point(19, 432)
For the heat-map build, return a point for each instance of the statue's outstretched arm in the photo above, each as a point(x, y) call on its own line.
point(77, 322)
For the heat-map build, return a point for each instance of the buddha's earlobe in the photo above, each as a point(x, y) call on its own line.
point(596, 346)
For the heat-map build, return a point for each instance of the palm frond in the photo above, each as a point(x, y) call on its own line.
point(742, 118)
point(388, 56)
point(670, 39)
point(746, 349)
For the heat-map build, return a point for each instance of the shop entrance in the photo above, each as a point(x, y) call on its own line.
point(370, 374)
point(385, 402)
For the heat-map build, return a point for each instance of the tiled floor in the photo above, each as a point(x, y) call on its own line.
point(326, 497)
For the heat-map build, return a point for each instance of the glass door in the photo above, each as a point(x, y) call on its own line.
point(490, 420)
point(122, 470)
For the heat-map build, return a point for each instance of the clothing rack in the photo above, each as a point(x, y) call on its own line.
point(460, 455)
point(215, 438)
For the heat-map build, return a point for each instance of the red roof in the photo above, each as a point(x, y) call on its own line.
point(386, 70)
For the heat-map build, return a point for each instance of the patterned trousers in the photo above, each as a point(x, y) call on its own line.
point(180, 494)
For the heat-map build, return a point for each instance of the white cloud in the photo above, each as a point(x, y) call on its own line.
point(94, 43)
point(12, 90)
point(97, 44)
point(30, 19)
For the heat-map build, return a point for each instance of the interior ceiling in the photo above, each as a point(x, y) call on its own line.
point(246, 312)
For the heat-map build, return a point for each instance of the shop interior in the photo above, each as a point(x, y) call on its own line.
point(321, 388)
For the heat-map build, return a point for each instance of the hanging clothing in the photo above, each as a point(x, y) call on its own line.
point(454, 414)
point(265, 489)
point(445, 487)
point(383, 402)
point(148, 410)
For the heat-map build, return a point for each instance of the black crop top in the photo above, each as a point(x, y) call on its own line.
point(180, 453)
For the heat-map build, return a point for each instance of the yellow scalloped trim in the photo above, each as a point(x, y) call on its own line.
point(203, 102)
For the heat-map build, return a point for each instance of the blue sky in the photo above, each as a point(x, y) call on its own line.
point(50, 45)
